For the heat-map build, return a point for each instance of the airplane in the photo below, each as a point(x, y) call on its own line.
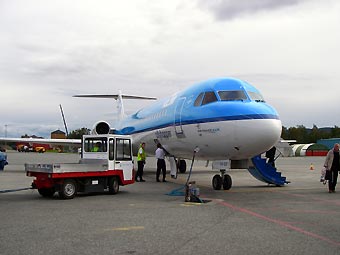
point(221, 119)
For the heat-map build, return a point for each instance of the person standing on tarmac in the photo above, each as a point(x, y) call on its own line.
point(3, 159)
point(271, 156)
point(160, 154)
point(141, 156)
point(332, 164)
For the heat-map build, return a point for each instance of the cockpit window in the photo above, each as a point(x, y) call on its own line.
point(199, 99)
point(256, 96)
point(233, 95)
point(209, 97)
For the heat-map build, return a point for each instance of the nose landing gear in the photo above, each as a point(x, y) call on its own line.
point(222, 179)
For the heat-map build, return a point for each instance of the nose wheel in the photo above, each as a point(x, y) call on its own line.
point(220, 180)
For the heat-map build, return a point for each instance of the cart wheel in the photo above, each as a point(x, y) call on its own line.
point(46, 192)
point(68, 189)
point(217, 182)
point(113, 185)
point(227, 182)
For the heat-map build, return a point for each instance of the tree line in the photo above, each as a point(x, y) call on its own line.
point(309, 135)
point(78, 133)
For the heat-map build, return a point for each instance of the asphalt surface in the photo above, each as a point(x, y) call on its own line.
point(251, 218)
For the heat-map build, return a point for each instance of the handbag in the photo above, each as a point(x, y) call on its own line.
point(328, 175)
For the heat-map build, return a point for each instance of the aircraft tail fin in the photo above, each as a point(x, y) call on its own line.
point(120, 106)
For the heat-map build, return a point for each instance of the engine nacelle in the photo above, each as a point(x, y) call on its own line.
point(101, 128)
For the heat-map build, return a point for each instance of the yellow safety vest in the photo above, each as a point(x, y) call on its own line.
point(95, 149)
point(141, 156)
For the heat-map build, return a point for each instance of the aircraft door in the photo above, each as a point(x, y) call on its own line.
point(123, 157)
point(111, 153)
point(178, 116)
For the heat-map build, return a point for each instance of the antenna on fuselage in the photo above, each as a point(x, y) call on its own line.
point(63, 116)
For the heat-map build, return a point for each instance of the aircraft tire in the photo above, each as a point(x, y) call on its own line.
point(47, 192)
point(182, 166)
point(217, 182)
point(227, 182)
point(113, 185)
point(68, 189)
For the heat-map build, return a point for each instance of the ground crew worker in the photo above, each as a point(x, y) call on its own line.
point(97, 147)
point(160, 154)
point(141, 162)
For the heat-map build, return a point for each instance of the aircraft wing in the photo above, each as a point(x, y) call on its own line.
point(43, 141)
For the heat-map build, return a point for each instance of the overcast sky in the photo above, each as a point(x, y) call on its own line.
point(51, 50)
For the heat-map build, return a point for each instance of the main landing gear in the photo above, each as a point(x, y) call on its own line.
point(182, 166)
point(222, 179)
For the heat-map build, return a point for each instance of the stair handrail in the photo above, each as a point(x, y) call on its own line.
point(280, 153)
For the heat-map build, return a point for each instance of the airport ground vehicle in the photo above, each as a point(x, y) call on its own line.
point(25, 148)
point(106, 162)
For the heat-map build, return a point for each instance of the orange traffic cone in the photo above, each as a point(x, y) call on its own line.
point(311, 166)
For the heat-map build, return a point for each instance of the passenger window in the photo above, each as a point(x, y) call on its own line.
point(233, 95)
point(209, 97)
point(198, 100)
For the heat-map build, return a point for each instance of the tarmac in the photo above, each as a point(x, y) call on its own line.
point(250, 218)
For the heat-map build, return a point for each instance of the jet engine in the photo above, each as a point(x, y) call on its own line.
point(101, 128)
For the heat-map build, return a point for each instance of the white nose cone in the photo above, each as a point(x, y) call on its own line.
point(263, 134)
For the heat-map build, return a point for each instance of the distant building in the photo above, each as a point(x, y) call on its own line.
point(284, 148)
point(311, 149)
point(58, 134)
point(329, 142)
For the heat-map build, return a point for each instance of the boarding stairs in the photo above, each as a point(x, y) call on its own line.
point(265, 172)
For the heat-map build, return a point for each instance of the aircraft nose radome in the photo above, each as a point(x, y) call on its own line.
point(269, 133)
point(251, 137)
point(269, 128)
point(256, 136)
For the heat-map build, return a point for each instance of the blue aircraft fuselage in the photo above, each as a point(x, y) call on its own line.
point(225, 118)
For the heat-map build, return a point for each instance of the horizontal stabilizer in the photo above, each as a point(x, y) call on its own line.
point(119, 97)
point(116, 96)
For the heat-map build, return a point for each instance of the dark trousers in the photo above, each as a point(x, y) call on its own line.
point(2, 164)
point(140, 169)
point(271, 162)
point(333, 180)
point(161, 166)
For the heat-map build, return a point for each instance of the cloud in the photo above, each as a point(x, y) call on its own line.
point(52, 50)
point(229, 9)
